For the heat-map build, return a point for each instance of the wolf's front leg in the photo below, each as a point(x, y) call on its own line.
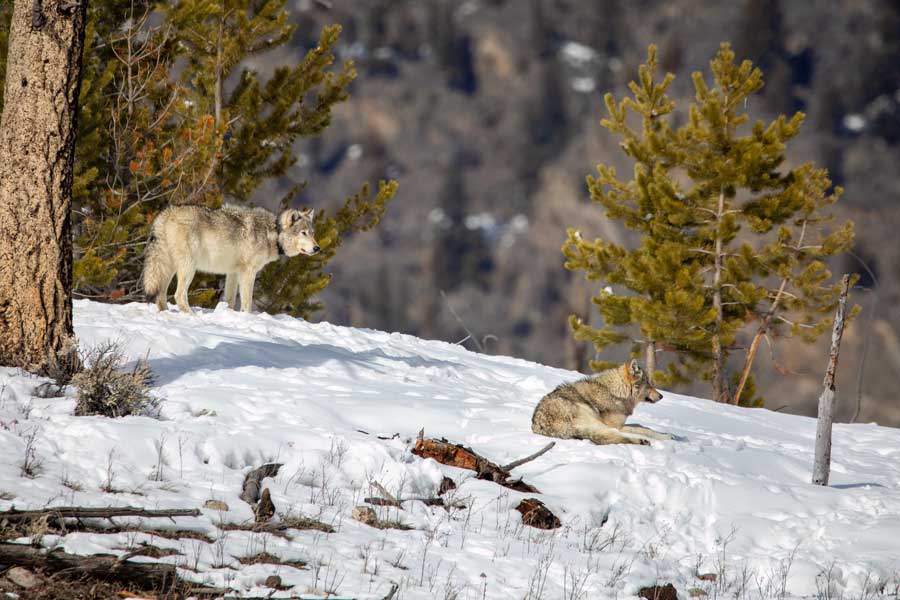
point(247, 280)
point(603, 436)
point(638, 430)
point(229, 296)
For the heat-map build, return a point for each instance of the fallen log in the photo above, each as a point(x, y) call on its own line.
point(252, 491)
point(157, 576)
point(14, 516)
point(455, 455)
point(253, 494)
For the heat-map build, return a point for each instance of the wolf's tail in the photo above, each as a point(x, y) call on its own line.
point(158, 268)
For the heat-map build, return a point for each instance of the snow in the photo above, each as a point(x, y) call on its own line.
point(854, 122)
point(584, 85)
point(730, 496)
point(576, 54)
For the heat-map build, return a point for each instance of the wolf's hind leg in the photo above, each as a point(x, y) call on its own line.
point(230, 294)
point(185, 276)
point(164, 292)
point(644, 431)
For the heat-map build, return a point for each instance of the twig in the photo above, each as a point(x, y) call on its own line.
point(394, 588)
point(387, 495)
point(479, 344)
point(529, 458)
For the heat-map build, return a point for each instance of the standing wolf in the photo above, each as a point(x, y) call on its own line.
point(595, 408)
point(233, 241)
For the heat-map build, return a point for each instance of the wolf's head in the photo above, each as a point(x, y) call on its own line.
point(641, 390)
point(296, 233)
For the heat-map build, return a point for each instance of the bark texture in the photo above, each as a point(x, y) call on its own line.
point(37, 143)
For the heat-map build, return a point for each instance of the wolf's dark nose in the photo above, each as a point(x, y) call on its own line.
point(315, 249)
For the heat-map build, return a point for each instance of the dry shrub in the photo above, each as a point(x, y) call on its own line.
point(60, 368)
point(104, 389)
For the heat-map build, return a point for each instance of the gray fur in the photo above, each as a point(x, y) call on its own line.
point(595, 408)
point(233, 241)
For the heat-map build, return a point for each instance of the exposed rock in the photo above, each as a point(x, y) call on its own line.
point(659, 592)
point(23, 577)
point(536, 514)
point(447, 484)
point(364, 514)
point(216, 505)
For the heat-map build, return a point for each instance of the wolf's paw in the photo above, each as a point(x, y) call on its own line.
point(640, 441)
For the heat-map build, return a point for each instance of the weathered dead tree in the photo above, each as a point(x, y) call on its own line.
point(822, 464)
point(37, 146)
point(107, 567)
point(455, 455)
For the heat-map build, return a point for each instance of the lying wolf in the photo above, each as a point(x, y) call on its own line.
point(595, 408)
point(233, 241)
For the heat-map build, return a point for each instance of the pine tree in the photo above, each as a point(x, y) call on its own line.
point(726, 238)
point(137, 151)
point(261, 120)
point(657, 309)
point(796, 260)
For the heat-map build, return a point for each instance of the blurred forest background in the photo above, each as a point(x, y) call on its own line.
point(487, 113)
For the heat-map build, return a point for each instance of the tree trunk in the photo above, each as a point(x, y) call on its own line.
point(217, 93)
point(651, 360)
point(718, 354)
point(37, 143)
point(822, 464)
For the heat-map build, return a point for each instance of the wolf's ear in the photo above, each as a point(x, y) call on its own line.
point(635, 368)
point(288, 218)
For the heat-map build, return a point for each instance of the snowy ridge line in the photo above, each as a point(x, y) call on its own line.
point(731, 497)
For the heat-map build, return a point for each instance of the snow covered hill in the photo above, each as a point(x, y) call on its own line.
point(731, 496)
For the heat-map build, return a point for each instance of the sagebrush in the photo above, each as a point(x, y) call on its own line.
point(104, 388)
